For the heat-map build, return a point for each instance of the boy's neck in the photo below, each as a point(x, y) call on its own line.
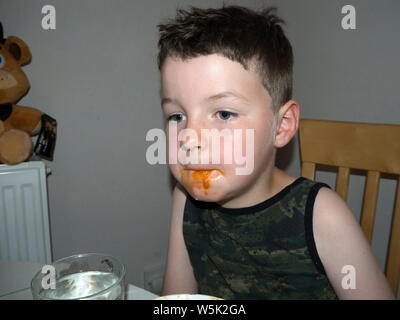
point(273, 184)
point(280, 180)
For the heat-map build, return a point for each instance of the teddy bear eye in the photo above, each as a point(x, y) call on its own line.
point(1, 61)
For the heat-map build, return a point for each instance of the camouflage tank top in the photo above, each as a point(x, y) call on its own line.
point(266, 251)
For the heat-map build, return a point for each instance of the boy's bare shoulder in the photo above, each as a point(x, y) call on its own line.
point(334, 227)
point(340, 242)
point(326, 198)
point(331, 213)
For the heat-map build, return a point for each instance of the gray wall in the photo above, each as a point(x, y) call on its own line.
point(96, 74)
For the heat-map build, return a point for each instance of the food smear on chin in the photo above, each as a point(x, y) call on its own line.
point(200, 179)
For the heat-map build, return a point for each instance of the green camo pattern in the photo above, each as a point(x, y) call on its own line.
point(257, 255)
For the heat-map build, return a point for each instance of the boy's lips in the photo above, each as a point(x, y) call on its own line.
point(199, 167)
point(200, 178)
point(203, 172)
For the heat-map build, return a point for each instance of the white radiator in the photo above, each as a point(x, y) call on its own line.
point(24, 218)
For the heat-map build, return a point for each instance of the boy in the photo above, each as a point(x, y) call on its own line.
point(263, 234)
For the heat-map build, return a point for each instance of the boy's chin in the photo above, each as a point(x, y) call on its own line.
point(206, 195)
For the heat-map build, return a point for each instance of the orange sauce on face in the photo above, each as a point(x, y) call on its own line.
point(199, 179)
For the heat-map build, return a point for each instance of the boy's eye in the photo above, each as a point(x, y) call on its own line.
point(178, 117)
point(1, 61)
point(225, 115)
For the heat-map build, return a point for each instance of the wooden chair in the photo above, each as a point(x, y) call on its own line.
point(374, 148)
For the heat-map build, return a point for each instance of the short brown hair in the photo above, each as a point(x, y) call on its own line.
point(238, 33)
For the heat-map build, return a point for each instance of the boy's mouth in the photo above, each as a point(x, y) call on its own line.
point(200, 178)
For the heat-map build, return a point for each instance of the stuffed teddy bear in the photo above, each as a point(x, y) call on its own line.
point(18, 123)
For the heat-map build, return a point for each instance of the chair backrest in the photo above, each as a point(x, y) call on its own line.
point(374, 148)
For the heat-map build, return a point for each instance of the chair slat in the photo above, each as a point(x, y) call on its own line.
point(369, 203)
point(393, 259)
point(308, 170)
point(342, 182)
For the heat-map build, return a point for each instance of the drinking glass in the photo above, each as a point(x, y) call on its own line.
point(90, 276)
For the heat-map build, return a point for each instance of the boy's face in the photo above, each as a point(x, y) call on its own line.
point(213, 92)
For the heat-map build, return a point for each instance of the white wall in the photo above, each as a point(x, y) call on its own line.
point(97, 75)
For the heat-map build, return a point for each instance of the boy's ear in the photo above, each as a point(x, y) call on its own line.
point(288, 123)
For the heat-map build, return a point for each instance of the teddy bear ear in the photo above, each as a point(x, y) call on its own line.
point(19, 50)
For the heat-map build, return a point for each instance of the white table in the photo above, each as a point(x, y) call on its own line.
point(16, 276)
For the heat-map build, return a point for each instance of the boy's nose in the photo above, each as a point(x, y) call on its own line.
point(192, 140)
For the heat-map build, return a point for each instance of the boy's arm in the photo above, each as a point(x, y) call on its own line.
point(340, 242)
point(178, 277)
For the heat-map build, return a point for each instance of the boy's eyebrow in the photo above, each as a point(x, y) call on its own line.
point(221, 95)
point(166, 100)
point(226, 94)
